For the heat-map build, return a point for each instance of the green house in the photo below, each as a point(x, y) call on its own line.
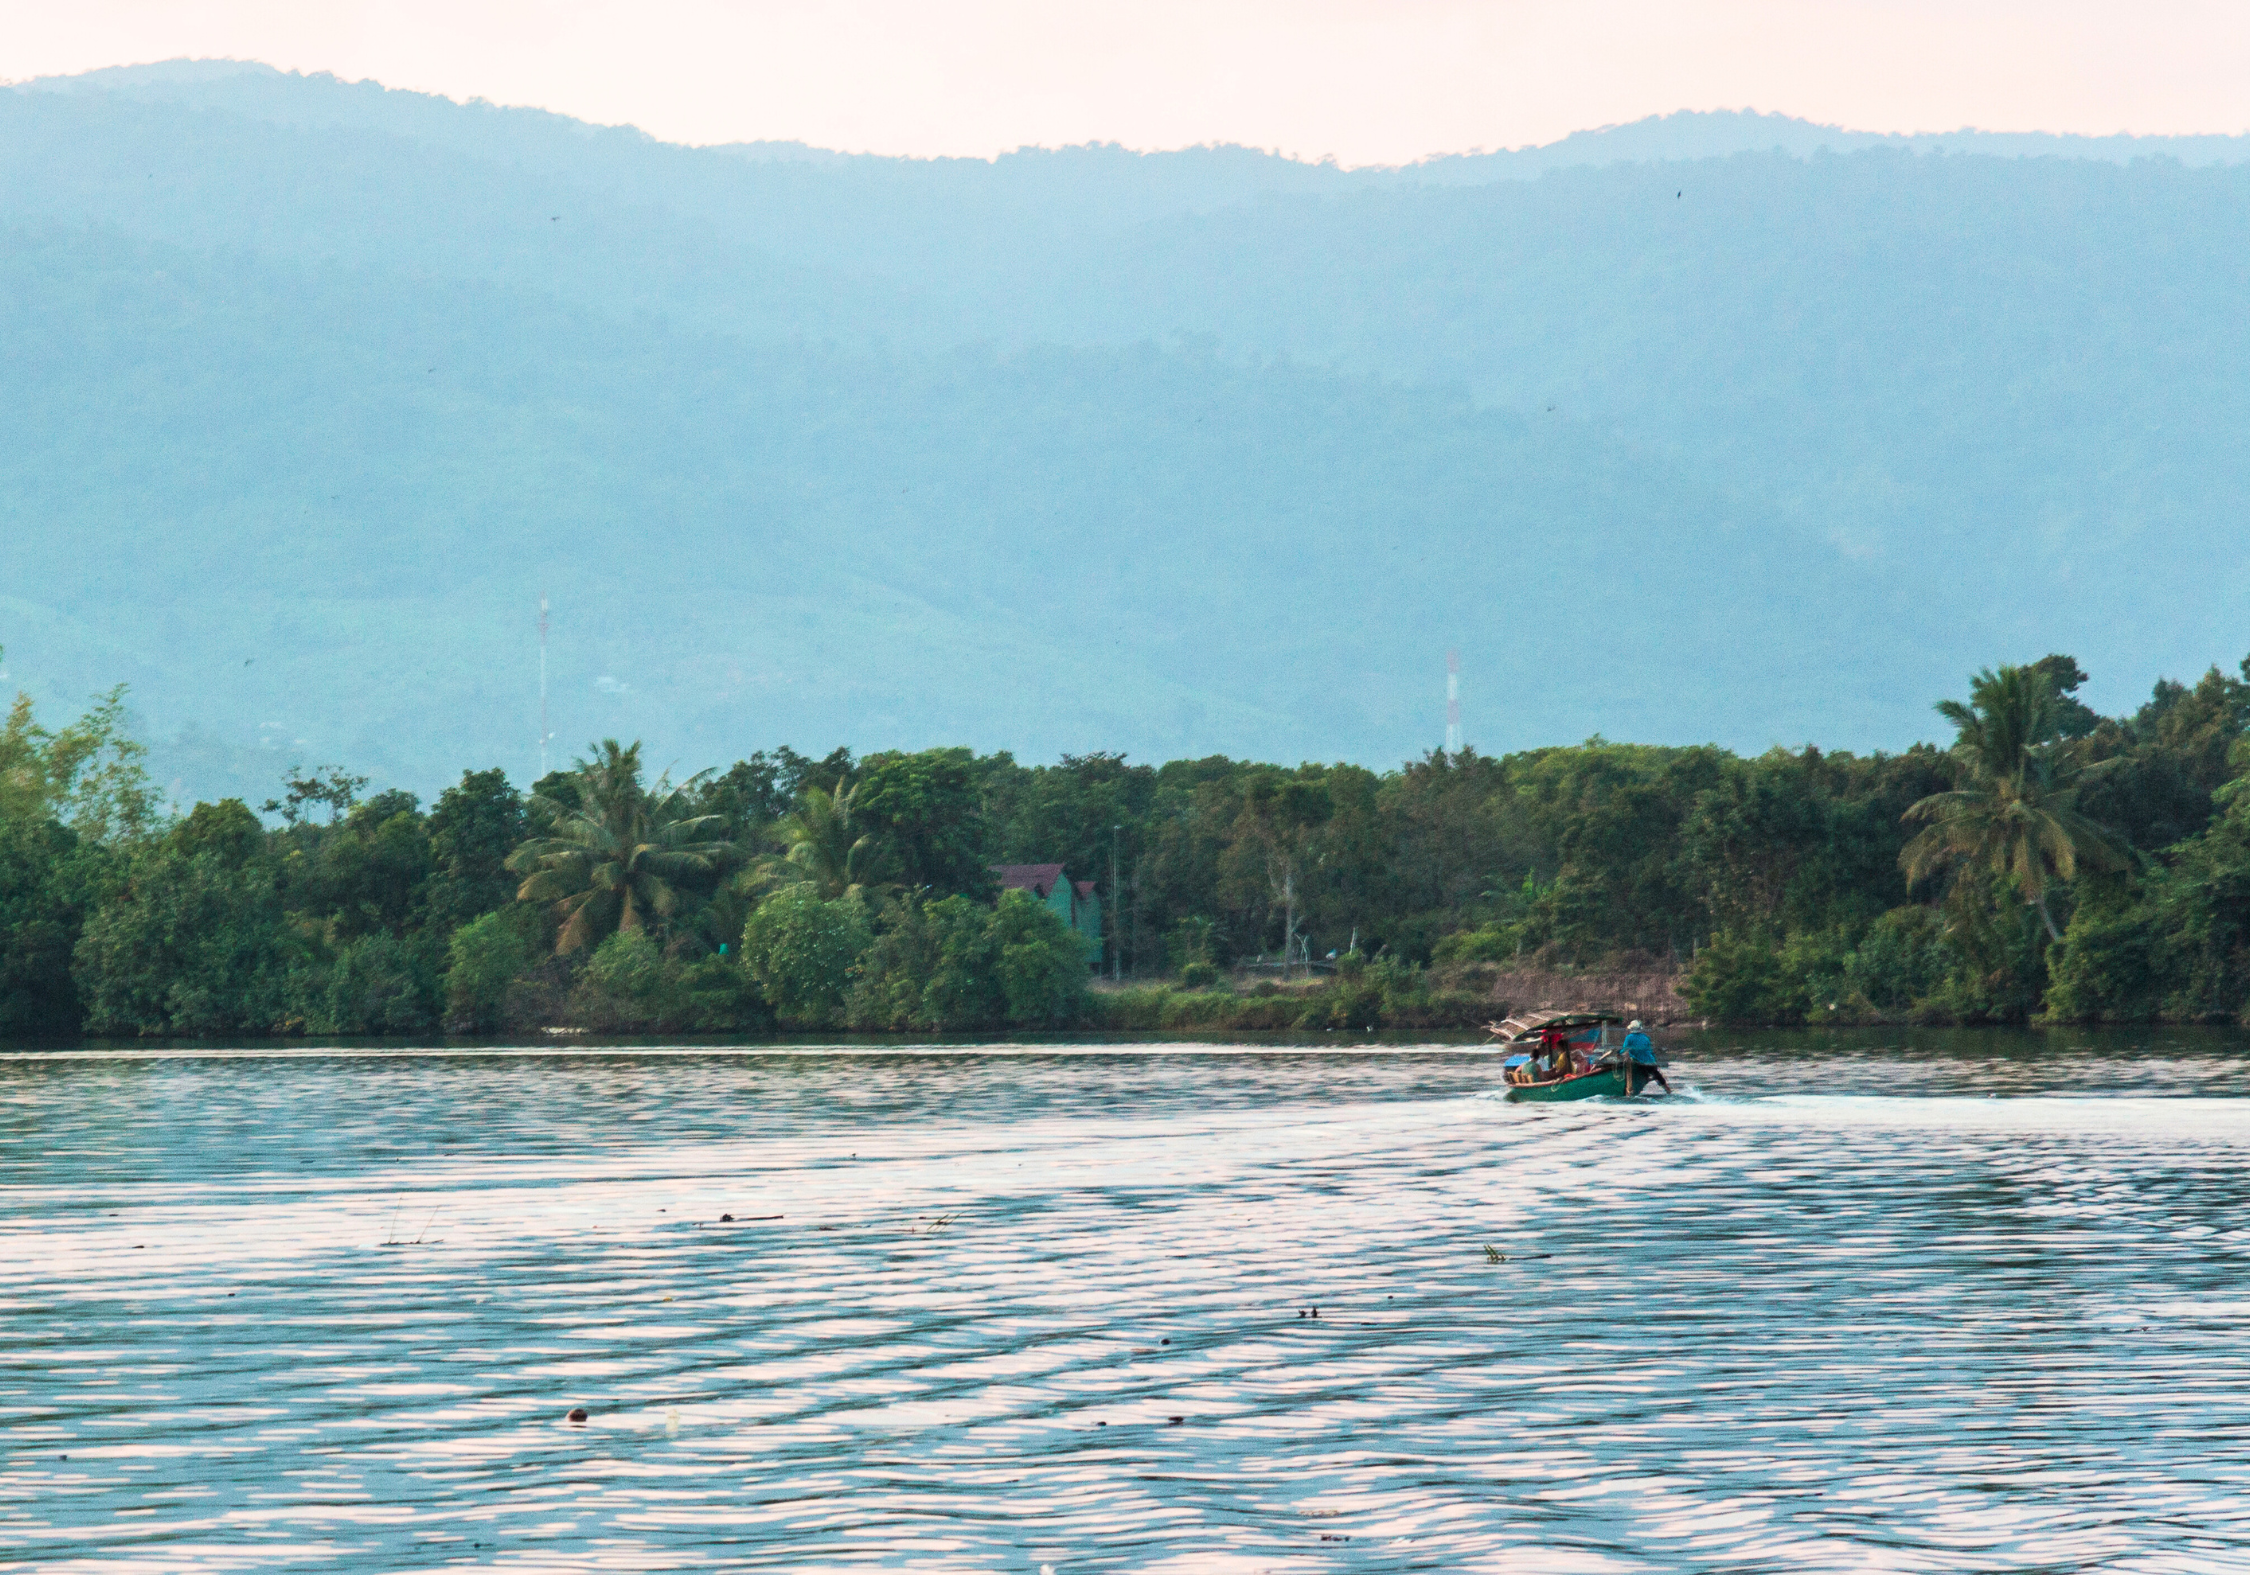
point(1073, 900)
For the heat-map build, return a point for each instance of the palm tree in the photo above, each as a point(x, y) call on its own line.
point(823, 845)
point(2017, 816)
point(611, 862)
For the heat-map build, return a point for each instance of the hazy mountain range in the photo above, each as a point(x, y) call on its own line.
point(1719, 427)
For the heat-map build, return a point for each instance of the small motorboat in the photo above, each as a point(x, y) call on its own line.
point(1566, 1055)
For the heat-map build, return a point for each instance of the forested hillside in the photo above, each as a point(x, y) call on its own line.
point(312, 390)
point(2050, 863)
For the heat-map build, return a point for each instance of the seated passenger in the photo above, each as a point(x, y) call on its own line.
point(1555, 1055)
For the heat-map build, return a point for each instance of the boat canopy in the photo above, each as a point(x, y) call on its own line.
point(1525, 1026)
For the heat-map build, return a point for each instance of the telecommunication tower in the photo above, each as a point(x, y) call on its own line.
point(1453, 702)
point(544, 735)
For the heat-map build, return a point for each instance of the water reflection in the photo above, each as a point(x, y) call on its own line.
point(1949, 1304)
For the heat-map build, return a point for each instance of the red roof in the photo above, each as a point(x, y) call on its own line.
point(1038, 879)
point(1085, 887)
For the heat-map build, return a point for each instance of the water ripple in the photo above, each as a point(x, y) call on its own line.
point(992, 1311)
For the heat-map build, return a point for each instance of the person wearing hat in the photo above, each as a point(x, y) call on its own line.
point(1641, 1050)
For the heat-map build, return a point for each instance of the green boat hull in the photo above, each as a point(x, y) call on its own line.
point(1610, 1081)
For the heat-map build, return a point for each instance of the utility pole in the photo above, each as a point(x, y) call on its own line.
point(1116, 914)
point(544, 735)
point(1288, 916)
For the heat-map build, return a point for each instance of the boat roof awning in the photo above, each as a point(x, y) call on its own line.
point(1525, 1024)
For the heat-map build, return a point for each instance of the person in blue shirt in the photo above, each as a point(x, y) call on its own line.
point(1641, 1050)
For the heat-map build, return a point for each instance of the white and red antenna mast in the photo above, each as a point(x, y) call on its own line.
point(1453, 702)
point(544, 735)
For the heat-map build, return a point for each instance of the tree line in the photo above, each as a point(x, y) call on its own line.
point(2048, 864)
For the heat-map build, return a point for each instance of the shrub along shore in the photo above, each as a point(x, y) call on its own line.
point(2046, 864)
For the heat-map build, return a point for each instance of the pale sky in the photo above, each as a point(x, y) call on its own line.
point(1365, 82)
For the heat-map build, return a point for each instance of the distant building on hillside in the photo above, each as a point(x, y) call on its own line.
point(1074, 901)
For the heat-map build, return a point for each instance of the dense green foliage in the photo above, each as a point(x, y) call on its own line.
point(2051, 862)
point(801, 948)
point(313, 390)
point(614, 855)
point(2015, 813)
point(49, 879)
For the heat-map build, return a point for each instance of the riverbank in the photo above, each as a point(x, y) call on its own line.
point(1358, 996)
point(1371, 999)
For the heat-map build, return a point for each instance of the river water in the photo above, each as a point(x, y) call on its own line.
point(1923, 1302)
